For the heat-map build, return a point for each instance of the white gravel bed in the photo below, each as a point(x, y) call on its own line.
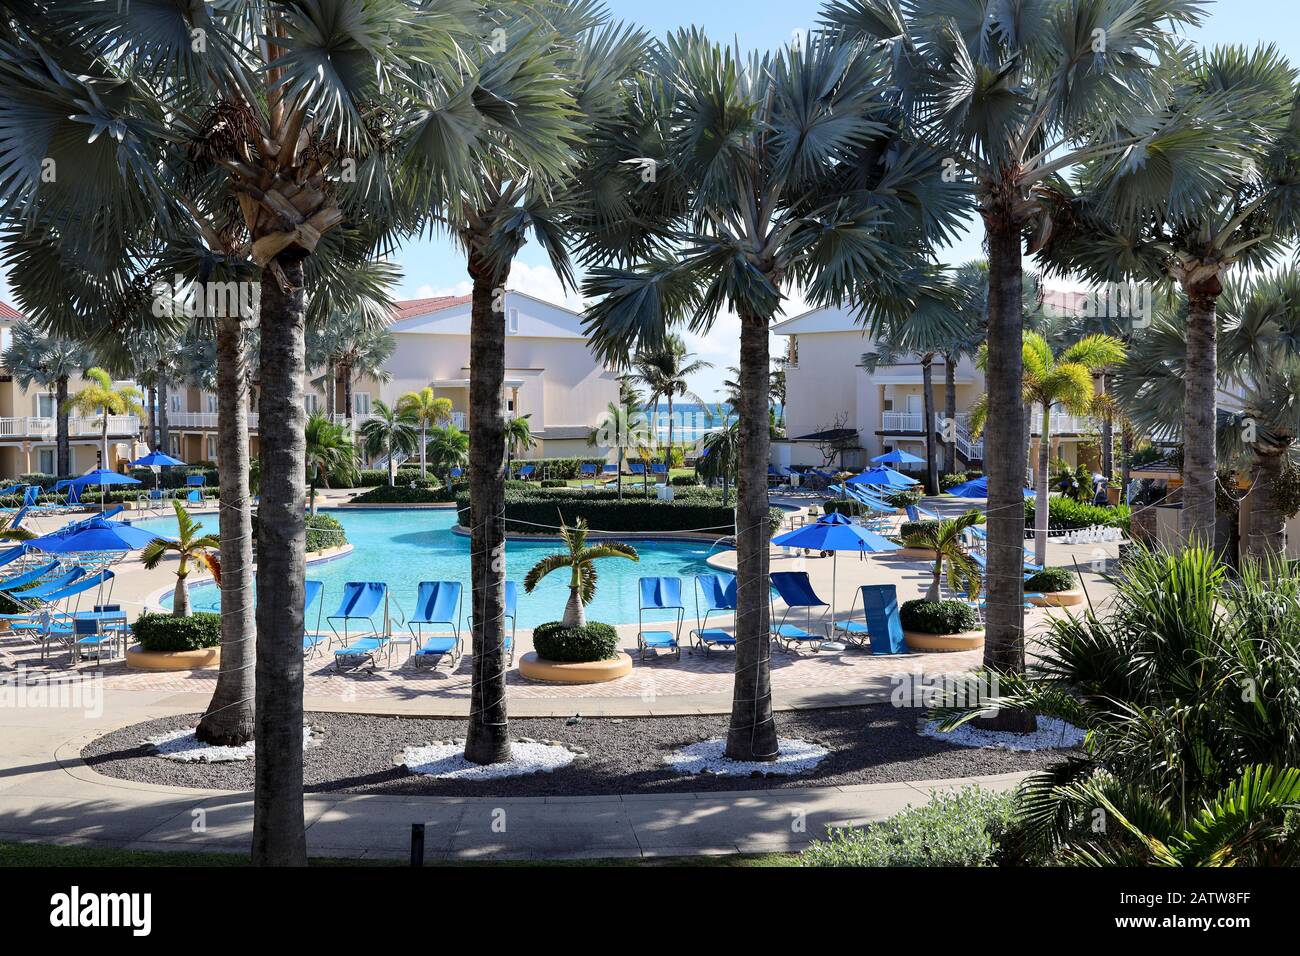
point(709, 756)
point(1052, 734)
point(183, 746)
point(446, 760)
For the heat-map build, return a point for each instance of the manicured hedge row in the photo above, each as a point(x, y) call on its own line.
point(162, 632)
point(323, 532)
point(1066, 513)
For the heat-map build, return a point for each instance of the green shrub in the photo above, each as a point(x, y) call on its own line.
point(1066, 513)
point(554, 483)
point(162, 632)
point(400, 495)
point(953, 480)
point(953, 829)
point(905, 498)
point(324, 531)
point(685, 481)
point(937, 617)
point(909, 528)
point(592, 642)
point(1051, 580)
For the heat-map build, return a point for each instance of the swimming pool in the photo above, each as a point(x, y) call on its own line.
point(405, 547)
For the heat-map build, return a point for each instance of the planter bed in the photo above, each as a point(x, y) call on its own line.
point(965, 641)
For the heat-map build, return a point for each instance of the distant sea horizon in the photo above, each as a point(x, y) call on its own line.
point(691, 420)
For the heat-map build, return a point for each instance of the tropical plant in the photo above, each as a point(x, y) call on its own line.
point(388, 431)
point(448, 448)
point(944, 538)
point(519, 437)
point(580, 561)
point(101, 397)
point(719, 456)
point(188, 545)
point(429, 411)
point(765, 185)
point(1035, 95)
point(624, 426)
point(48, 361)
point(349, 346)
point(329, 454)
point(664, 371)
point(1051, 380)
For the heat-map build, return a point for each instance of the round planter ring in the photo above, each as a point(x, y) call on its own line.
point(927, 554)
point(564, 672)
point(141, 660)
point(964, 641)
point(1058, 599)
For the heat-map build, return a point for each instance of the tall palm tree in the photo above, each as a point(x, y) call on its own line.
point(766, 185)
point(519, 438)
point(1051, 380)
point(580, 559)
point(944, 538)
point(359, 350)
point(1038, 91)
point(101, 397)
point(428, 411)
point(388, 431)
point(448, 448)
point(1245, 216)
point(188, 545)
point(48, 361)
point(328, 451)
point(664, 371)
point(721, 454)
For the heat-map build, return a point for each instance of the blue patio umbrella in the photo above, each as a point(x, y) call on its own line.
point(978, 488)
point(835, 533)
point(97, 534)
point(882, 476)
point(156, 460)
point(897, 457)
point(102, 477)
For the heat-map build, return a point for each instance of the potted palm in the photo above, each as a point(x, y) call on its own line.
point(933, 624)
point(1054, 587)
point(573, 649)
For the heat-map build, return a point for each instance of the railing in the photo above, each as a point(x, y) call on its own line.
point(1062, 424)
point(78, 427)
point(901, 421)
point(969, 446)
point(209, 420)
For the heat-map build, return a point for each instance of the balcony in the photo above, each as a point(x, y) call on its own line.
point(208, 420)
point(901, 421)
point(46, 429)
point(897, 422)
point(1062, 424)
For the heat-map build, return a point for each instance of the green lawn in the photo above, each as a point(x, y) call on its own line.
point(42, 854)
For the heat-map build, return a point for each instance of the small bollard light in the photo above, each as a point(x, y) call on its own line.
point(417, 844)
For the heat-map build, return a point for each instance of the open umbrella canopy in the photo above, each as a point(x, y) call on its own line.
point(978, 488)
point(897, 457)
point(834, 532)
point(885, 477)
point(97, 534)
point(102, 476)
point(156, 459)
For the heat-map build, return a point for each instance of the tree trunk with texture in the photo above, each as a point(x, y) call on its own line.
point(574, 615)
point(229, 720)
point(752, 732)
point(349, 401)
point(950, 412)
point(181, 597)
point(164, 432)
point(1107, 440)
point(1126, 464)
point(488, 739)
point(928, 423)
point(150, 407)
point(279, 836)
point(1004, 462)
point(1200, 384)
point(63, 452)
point(1267, 538)
point(1042, 511)
point(424, 442)
point(668, 458)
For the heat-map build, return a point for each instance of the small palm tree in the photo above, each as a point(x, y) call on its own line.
point(944, 539)
point(189, 546)
point(330, 453)
point(663, 370)
point(388, 431)
point(519, 437)
point(721, 455)
point(580, 560)
point(429, 412)
point(448, 448)
point(49, 362)
point(101, 397)
point(625, 425)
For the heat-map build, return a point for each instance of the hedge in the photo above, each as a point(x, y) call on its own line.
point(324, 531)
point(937, 617)
point(909, 528)
point(1064, 514)
point(162, 632)
point(1051, 580)
point(593, 641)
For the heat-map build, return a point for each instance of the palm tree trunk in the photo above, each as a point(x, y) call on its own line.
point(1004, 461)
point(424, 442)
point(331, 391)
point(1107, 438)
point(163, 432)
point(1197, 518)
point(1125, 465)
point(103, 439)
point(1267, 538)
point(349, 401)
point(620, 472)
point(933, 594)
point(574, 615)
point(752, 733)
point(1041, 508)
point(279, 835)
point(927, 410)
point(63, 452)
point(668, 459)
point(950, 412)
point(150, 407)
point(229, 720)
point(488, 739)
point(181, 596)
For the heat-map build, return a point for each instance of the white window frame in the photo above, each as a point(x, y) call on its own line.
point(41, 399)
point(211, 401)
point(41, 459)
point(512, 321)
point(357, 404)
point(212, 447)
point(310, 402)
point(174, 403)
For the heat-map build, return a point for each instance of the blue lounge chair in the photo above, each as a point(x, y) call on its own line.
point(30, 496)
point(659, 470)
point(714, 594)
point(458, 472)
point(19, 515)
point(11, 490)
point(40, 591)
point(917, 513)
point(437, 602)
point(660, 594)
point(880, 627)
point(51, 623)
point(361, 601)
point(29, 576)
point(588, 474)
point(526, 472)
point(637, 468)
point(609, 473)
point(795, 589)
point(312, 640)
point(194, 497)
point(195, 481)
point(10, 555)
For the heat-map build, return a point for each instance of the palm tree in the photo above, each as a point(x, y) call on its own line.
point(624, 426)
point(355, 349)
point(101, 397)
point(765, 185)
point(189, 546)
point(720, 455)
point(580, 560)
point(519, 437)
point(448, 448)
point(388, 431)
point(48, 361)
point(944, 538)
point(329, 452)
point(428, 411)
point(1033, 99)
point(1245, 214)
point(664, 370)
point(1051, 380)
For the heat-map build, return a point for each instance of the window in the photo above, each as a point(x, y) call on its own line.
point(175, 442)
point(361, 403)
point(174, 402)
point(211, 402)
point(512, 321)
point(212, 448)
point(45, 461)
point(45, 407)
point(510, 405)
point(310, 403)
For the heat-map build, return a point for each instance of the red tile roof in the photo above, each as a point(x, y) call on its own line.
point(9, 312)
point(409, 308)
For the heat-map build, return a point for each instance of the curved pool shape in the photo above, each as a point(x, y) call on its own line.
point(405, 547)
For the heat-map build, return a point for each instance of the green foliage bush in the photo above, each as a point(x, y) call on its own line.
point(954, 829)
point(905, 498)
point(162, 632)
point(1066, 513)
point(685, 481)
point(937, 617)
point(554, 483)
point(324, 531)
point(909, 528)
point(947, 482)
point(592, 642)
point(401, 495)
point(1051, 580)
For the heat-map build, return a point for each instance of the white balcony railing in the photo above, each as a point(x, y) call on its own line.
point(78, 427)
point(1062, 424)
point(901, 421)
point(970, 447)
point(209, 420)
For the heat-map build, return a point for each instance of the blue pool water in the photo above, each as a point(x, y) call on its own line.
point(405, 547)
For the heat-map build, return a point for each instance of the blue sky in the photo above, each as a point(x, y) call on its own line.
point(436, 267)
